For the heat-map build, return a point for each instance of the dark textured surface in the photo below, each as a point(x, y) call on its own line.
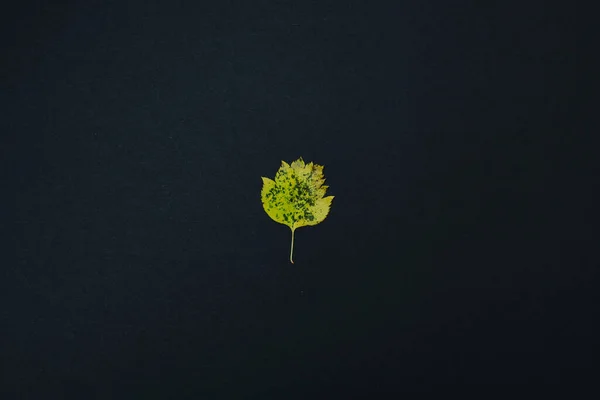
point(140, 263)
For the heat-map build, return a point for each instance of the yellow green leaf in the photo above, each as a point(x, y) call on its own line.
point(296, 197)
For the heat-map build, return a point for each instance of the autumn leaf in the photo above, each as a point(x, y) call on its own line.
point(295, 197)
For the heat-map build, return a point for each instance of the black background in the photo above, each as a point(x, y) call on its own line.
point(140, 263)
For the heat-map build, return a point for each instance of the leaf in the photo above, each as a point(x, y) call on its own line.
point(295, 197)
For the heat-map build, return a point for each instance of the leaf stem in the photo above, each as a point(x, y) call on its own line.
point(292, 248)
